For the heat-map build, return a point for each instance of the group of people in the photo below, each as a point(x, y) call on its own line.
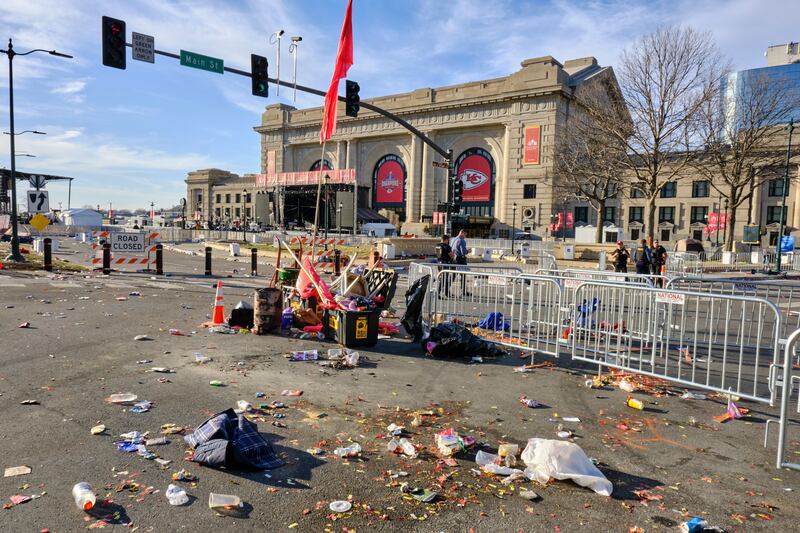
point(648, 259)
point(447, 254)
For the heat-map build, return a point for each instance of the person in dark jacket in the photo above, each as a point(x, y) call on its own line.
point(642, 258)
point(658, 255)
point(444, 254)
point(620, 257)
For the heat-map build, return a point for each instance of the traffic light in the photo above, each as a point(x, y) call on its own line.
point(259, 67)
point(114, 43)
point(352, 98)
point(458, 190)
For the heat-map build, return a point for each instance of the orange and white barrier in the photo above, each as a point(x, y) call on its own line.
point(310, 241)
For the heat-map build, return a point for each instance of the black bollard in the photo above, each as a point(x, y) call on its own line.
point(48, 254)
point(159, 260)
point(106, 258)
point(254, 261)
point(208, 260)
point(337, 266)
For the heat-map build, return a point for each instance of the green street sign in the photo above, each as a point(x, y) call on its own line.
point(211, 64)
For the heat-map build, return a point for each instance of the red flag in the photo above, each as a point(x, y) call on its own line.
point(344, 59)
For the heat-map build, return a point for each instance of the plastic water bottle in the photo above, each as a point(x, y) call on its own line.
point(176, 495)
point(84, 496)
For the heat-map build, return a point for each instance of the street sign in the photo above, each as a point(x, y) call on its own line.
point(37, 181)
point(143, 47)
point(39, 221)
point(211, 64)
point(127, 243)
point(38, 202)
point(440, 164)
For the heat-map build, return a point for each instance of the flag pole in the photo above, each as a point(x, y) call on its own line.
point(319, 192)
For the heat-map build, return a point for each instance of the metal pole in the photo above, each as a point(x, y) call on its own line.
point(355, 206)
point(15, 255)
point(159, 259)
point(783, 203)
point(253, 262)
point(513, 225)
point(106, 258)
point(719, 219)
point(48, 254)
point(208, 260)
point(69, 194)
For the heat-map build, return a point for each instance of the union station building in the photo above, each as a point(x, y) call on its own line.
point(502, 133)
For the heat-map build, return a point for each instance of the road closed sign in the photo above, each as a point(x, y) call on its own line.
point(127, 243)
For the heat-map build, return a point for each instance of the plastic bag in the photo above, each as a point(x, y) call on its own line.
point(557, 459)
point(449, 339)
point(415, 297)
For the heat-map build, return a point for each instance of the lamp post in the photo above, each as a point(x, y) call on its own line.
point(10, 53)
point(783, 202)
point(244, 213)
point(513, 225)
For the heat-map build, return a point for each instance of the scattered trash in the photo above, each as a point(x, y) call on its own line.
point(528, 402)
point(162, 370)
point(635, 403)
point(216, 383)
point(289, 392)
point(223, 501)
point(733, 412)
point(83, 495)
point(29, 402)
point(402, 446)
point(143, 338)
point(695, 525)
point(144, 361)
point(141, 407)
point(693, 396)
point(340, 506)
point(415, 297)
point(17, 471)
point(453, 340)
point(529, 495)
point(627, 386)
point(98, 429)
point(244, 406)
point(24, 325)
point(306, 355)
point(556, 459)
point(176, 495)
point(572, 419)
point(449, 442)
point(350, 451)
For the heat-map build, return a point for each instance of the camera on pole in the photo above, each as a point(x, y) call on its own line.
point(259, 67)
point(352, 99)
point(114, 43)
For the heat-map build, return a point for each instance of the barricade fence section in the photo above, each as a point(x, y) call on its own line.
point(785, 294)
point(511, 309)
point(716, 342)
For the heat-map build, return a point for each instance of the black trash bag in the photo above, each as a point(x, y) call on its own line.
point(415, 296)
point(241, 315)
point(454, 340)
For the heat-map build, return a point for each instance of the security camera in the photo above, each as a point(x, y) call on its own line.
point(297, 39)
point(280, 33)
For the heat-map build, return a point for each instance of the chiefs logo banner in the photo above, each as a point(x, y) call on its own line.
point(475, 169)
point(389, 182)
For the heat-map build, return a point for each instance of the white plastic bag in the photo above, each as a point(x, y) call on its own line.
point(557, 459)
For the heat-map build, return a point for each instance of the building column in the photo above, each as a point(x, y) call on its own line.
point(351, 161)
point(755, 212)
point(501, 187)
point(428, 183)
point(341, 155)
point(412, 186)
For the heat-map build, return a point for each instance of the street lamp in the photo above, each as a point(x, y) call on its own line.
point(10, 53)
point(294, 49)
point(783, 202)
point(513, 225)
point(243, 218)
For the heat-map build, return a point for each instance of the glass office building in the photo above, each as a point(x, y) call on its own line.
point(785, 78)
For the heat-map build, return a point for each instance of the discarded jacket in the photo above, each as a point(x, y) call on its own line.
point(449, 339)
point(228, 439)
point(415, 296)
point(495, 322)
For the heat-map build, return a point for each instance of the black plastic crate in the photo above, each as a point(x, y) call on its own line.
point(354, 328)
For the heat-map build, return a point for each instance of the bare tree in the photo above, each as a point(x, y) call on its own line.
point(664, 79)
point(744, 133)
point(589, 168)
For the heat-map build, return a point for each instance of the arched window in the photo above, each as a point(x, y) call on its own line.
point(476, 170)
point(317, 164)
point(389, 182)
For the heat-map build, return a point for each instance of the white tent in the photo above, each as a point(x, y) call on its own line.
point(82, 217)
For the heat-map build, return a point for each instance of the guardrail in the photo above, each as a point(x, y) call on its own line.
point(786, 393)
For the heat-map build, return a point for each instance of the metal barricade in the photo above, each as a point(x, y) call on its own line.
point(523, 311)
point(716, 342)
point(786, 393)
point(783, 293)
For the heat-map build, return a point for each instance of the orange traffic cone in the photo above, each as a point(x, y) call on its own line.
point(218, 317)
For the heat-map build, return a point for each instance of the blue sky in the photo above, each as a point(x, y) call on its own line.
point(130, 136)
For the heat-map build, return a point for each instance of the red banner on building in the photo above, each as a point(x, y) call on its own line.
point(531, 150)
point(475, 169)
point(389, 182)
point(570, 220)
point(717, 221)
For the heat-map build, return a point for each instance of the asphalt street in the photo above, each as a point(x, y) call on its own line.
point(667, 463)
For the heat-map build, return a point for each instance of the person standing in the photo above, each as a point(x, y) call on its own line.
point(460, 251)
point(444, 254)
point(658, 255)
point(642, 258)
point(620, 256)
